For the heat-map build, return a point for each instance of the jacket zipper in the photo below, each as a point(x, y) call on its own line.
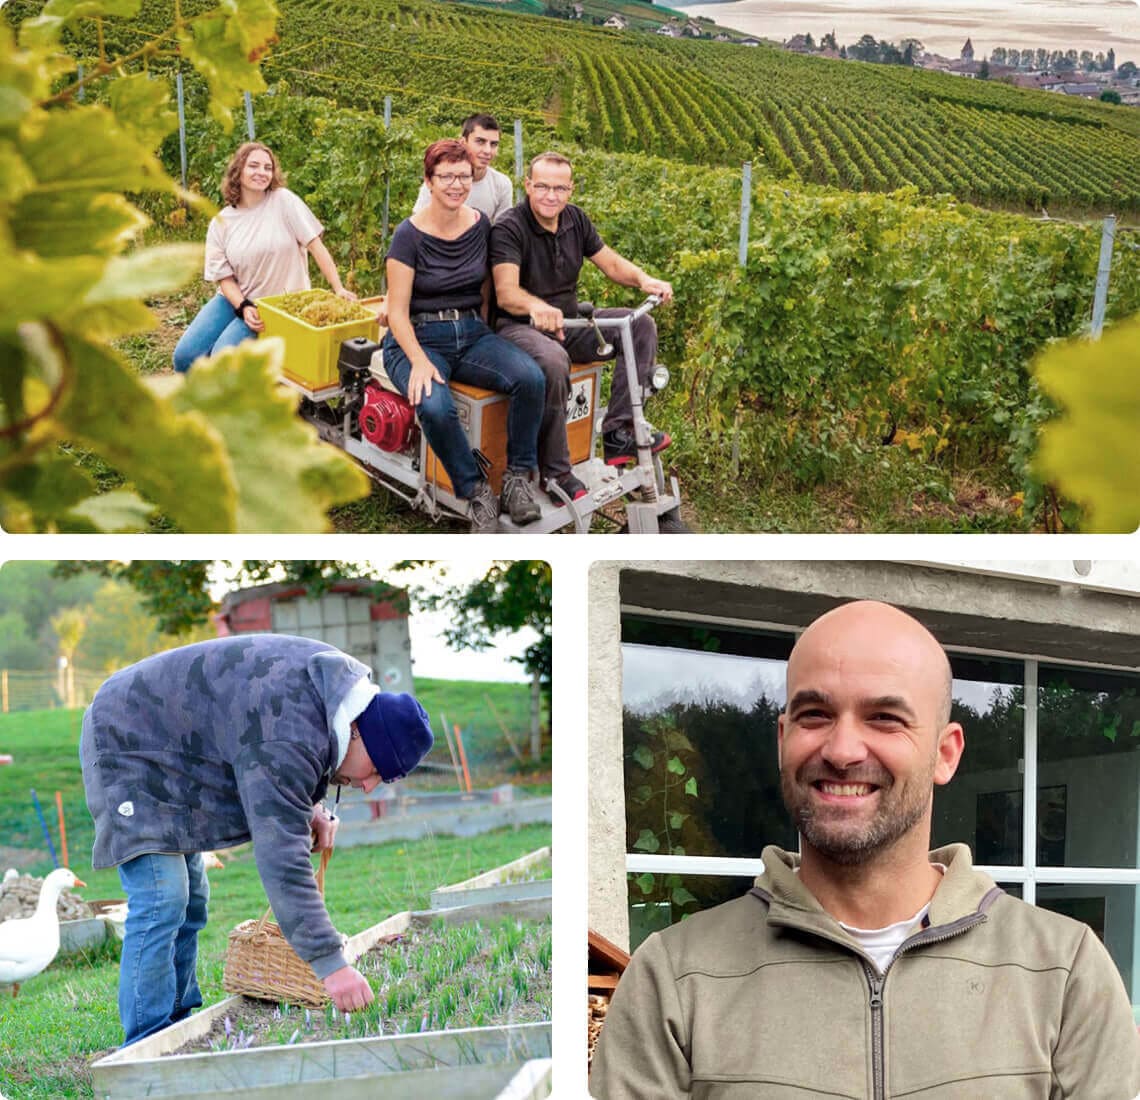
point(876, 981)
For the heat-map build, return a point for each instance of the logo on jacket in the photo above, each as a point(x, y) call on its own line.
point(127, 809)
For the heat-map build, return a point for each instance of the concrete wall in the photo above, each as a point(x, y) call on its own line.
point(1051, 618)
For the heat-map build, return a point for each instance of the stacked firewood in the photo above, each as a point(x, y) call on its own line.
point(599, 1005)
point(607, 964)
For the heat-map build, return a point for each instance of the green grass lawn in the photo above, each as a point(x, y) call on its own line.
point(45, 748)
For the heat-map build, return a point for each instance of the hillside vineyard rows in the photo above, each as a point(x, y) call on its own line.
point(883, 318)
point(849, 125)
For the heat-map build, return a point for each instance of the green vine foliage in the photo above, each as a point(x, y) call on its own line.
point(72, 280)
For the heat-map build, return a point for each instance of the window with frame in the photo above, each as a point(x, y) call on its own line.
point(700, 703)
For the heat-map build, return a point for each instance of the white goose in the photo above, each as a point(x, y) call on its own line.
point(28, 944)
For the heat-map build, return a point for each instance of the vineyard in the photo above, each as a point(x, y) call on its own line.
point(881, 331)
point(848, 125)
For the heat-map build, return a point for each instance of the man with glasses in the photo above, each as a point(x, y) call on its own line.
point(219, 743)
point(537, 250)
point(864, 965)
point(491, 193)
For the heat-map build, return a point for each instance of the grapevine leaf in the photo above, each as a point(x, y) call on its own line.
point(646, 842)
point(87, 150)
point(144, 274)
point(643, 755)
point(223, 61)
point(641, 794)
point(646, 882)
point(287, 478)
point(78, 223)
point(58, 284)
point(676, 819)
point(16, 178)
point(110, 321)
point(691, 786)
point(37, 495)
point(142, 106)
point(177, 461)
point(118, 510)
point(43, 31)
point(1093, 450)
point(677, 850)
point(253, 22)
point(681, 896)
point(675, 766)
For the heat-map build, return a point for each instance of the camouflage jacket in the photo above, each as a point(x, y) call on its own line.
point(218, 743)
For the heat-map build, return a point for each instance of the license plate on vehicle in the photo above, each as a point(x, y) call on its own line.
point(578, 405)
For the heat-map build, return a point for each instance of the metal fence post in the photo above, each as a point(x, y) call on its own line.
point(387, 198)
point(742, 259)
point(745, 212)
point(518, 160)
point(1100, 299)
point(181, 127)
point(249, 115)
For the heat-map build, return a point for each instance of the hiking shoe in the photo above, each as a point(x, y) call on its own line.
point(571, 486)
point(483, 508)
point(619, 446)
point(517, 498)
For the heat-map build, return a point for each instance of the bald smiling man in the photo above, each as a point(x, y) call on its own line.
point(866, 966)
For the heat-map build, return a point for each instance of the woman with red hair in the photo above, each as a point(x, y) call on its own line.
point(259, 244)
point(438, 288)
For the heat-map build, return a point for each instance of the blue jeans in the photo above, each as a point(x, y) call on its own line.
point(470, 352)
point(167, 896)
point(216, 327)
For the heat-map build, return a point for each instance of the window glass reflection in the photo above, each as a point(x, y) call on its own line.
point(981, 805)
point(699, 725)
point(1111, 912)
point(1088, 770)
point(657, 901)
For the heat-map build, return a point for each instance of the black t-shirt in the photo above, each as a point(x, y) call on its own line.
point(448, 274)
point(548, 263)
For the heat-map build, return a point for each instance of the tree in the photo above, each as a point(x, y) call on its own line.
point(1014, 57)
point(1110, 96)
point(827, 42)
point(509, 596)
point(1000, 56)
point(1127, 71)
point(1041, 58)
point(984, 71)
point(1110, 60)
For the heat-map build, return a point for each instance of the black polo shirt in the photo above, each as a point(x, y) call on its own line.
point(549, 263)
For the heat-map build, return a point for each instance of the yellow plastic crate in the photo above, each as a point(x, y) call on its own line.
point(310, 352)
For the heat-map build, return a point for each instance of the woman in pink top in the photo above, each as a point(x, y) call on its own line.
point(259, 244)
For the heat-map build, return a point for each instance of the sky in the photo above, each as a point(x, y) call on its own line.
point(943, 25)
point(430, 655)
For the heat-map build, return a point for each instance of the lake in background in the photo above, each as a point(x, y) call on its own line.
point(942, 26)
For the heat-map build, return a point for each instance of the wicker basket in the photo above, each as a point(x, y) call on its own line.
point(260, 963)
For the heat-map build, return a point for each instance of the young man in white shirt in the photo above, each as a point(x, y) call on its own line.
point(491, 192)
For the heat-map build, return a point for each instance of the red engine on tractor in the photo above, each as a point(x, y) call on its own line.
point(387, 420)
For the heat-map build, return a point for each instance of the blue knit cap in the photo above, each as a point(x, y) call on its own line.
point(396, 732)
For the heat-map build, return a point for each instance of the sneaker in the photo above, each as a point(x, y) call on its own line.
point(517, 498)
point(619, 445)
point(571, 486)
point(484, 510)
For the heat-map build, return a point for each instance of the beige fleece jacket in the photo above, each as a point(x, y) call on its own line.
point(768, 998)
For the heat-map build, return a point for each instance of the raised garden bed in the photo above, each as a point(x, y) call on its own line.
point(467, 1062)
point(526, 877)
